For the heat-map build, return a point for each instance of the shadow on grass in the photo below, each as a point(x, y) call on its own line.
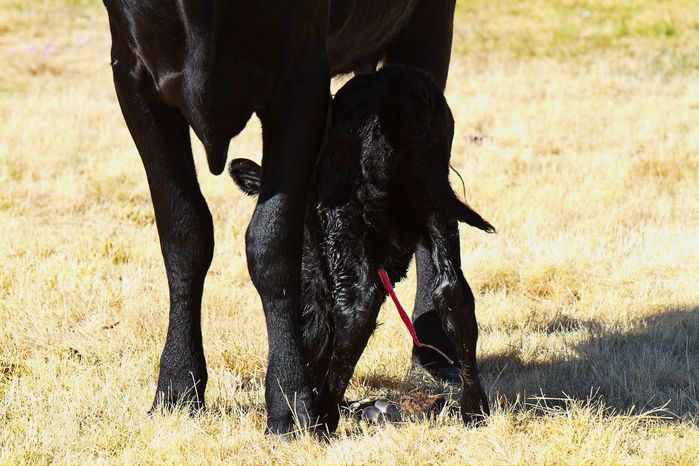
point(654, 364)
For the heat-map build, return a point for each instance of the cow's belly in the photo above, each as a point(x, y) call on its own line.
point(220, 65)
point(360, 30)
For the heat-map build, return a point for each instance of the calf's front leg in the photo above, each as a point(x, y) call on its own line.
point(354, 317)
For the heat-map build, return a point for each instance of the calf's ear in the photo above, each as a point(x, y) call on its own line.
point(246, 174)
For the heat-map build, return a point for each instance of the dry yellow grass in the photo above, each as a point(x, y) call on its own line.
point(576, 136)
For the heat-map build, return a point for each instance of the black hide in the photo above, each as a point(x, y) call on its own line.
point(209, 65)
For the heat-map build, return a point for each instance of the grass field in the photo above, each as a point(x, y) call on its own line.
point(577, 137)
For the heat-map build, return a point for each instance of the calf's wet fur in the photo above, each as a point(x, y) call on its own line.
point(380, 189)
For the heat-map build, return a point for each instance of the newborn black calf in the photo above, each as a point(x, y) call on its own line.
point(380, 188)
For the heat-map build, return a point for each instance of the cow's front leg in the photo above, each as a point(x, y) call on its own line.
point(184, 225)
point(292, 132)
point(453, 299)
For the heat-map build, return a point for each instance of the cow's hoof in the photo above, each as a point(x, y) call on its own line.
point(173, 400)
point(474, 405)
point(179, 393)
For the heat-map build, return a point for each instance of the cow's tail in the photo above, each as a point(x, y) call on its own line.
point(435, 174)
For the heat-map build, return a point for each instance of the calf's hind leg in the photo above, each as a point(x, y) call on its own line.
point(426, 44)
point(455, 306)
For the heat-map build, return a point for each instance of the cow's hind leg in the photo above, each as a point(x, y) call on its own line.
point(453, 299)
point(184, 225)
point(426, 44)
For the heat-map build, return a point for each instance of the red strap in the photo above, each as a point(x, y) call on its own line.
point(386, 282)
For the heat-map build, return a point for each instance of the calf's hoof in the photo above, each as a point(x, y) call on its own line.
point(292, 417)
point(329, 419)
point(381, 411)
point(474, 405)
point(375, 410)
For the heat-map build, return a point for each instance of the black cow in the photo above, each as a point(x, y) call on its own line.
point(381, 187)
point(209, 65)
